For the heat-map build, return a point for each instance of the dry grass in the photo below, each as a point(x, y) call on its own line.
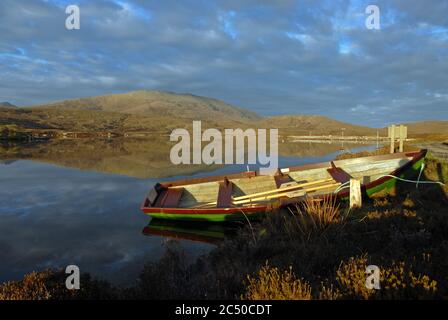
point(436, 169)
point(314, 215)
point(271, 284)
point(380, 151)
point(397, 281)
point(32, 287)
point(50, 285)
point(432, 137)
point(321, 212)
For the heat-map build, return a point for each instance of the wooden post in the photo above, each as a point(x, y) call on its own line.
point(401, 137)
point(377, 139)
point(355, 194)
point(392, 138)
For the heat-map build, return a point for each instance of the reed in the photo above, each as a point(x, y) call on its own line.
point(316, 214)
point(272, 284)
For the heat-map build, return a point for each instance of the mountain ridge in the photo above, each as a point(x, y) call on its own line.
point(153, 111)
point(161, 103)
point(316, 125)
point(6, 104)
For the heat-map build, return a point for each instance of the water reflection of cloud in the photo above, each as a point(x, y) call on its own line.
point(53, 216)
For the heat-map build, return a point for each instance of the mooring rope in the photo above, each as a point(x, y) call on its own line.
point(342, 186)
point(417, 182)
point(420, 174)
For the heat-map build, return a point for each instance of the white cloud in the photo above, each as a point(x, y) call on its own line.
point(318, 57)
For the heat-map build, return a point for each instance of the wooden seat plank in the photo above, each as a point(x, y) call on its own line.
point(339, 174)
point(282, 179)
point(225, 194)
point(171, 197)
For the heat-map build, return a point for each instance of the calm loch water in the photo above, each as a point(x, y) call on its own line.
point(59, 208)
point(52, 216)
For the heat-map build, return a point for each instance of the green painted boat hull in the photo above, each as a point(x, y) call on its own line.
point(390, 185)
point(409, 171)
point(216, 217)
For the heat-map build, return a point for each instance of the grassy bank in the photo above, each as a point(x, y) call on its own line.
point(13, 133)
point(311, 251)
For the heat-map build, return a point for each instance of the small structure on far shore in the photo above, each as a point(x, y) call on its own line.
point(395, 132)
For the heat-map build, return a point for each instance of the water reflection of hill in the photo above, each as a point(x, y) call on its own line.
point(142, 158)
point(314, 149)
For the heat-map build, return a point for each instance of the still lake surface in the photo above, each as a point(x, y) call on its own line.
point(53, 214)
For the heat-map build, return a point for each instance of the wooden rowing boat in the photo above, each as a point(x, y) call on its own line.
point(249, 195)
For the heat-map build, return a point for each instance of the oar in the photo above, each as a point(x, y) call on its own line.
point(291, 194)
point(289, 188)
point(297, 193)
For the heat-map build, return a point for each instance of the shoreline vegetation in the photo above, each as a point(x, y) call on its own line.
point(309, 251)
point(17, 133)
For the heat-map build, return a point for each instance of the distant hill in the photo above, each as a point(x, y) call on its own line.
point(139, 111)
point(428, 127)
point(95, 121)
point(156, 111)
point(159, 104)
point(314, 124)
point(7, 105)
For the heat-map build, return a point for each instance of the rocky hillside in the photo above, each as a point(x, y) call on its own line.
point(314, 124)
point(6, 104)
point(159, 104)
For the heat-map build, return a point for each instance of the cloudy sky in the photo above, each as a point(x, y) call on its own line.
point(274, 57)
